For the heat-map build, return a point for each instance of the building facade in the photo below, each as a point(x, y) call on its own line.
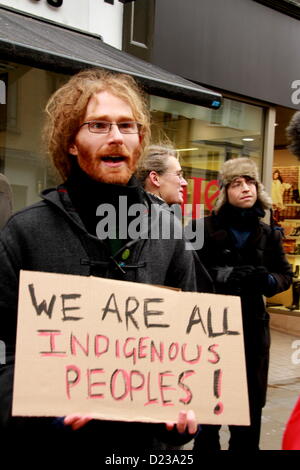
point(42, 43)
point(243, 48)
point(249, 51)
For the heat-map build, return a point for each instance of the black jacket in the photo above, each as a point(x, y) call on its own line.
point(263, 248)
point(49, 236)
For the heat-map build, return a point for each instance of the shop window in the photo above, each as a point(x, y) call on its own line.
point(286, 185)
point(206, 138)
point(286, 210)
point(138, 24)
point(22, 157)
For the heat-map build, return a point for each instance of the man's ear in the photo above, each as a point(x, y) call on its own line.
point(73, 149)
point(154, 178)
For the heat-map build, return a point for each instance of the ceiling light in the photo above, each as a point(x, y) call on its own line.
point(248, 139)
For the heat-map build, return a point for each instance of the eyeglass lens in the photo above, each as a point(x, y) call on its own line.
point(104, 127)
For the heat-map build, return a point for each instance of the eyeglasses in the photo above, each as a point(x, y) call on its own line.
point(179, 174)
point(104, 127)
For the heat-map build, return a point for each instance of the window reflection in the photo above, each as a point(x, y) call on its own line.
point(22, 157)
point(205, 138)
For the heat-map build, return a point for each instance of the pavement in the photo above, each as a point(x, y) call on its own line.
point(283, 390)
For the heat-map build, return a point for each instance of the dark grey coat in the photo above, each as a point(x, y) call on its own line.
point(50, 237)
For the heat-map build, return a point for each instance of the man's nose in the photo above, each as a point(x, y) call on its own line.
point(115, 134)
point(183, 182)
point(245, 186)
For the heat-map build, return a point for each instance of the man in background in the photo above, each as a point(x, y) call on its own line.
point(161, 174)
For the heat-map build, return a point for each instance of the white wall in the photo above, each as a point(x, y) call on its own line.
point(94, 16)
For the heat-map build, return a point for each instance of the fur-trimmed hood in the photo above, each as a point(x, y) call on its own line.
point(234, 168)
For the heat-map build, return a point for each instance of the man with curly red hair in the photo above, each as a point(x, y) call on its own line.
point(97, 126)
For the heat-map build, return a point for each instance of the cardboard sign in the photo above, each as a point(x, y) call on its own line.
point(127, 351)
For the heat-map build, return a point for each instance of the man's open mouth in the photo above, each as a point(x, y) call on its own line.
point(113, 161)
point(113, 158)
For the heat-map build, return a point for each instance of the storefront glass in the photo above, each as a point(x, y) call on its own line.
point(22, 158)
point(286, 184)
point(285, 191)
point(205, 138)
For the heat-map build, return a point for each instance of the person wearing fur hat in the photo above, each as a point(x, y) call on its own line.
point(245, 258)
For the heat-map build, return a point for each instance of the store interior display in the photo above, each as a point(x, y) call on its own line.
point(286, 213)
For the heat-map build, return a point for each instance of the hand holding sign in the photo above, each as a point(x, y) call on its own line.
point(77, 421)
point(186, 422)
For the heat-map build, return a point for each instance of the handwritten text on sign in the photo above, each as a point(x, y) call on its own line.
point(127, 351)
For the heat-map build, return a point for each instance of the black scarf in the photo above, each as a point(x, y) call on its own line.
point(87, 194)
point(240, 219)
